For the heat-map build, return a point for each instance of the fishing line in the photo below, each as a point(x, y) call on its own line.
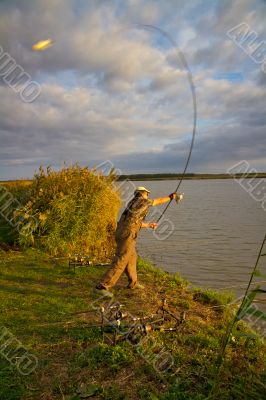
point(193, 93)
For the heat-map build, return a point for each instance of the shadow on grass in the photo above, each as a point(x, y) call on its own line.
point(43, 282)
point(41, 292)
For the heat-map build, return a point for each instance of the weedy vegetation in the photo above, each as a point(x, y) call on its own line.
point(75, 210)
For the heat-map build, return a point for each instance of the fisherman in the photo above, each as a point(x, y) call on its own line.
point(130, 223)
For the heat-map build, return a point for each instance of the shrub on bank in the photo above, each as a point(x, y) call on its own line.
point(75, 209)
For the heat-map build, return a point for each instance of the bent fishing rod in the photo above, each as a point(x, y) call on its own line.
point(193, 94)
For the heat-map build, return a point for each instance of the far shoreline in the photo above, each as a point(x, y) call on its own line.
point(190, 176)
point(167, 176)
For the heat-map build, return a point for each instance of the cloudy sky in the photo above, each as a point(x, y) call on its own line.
point(113, 89)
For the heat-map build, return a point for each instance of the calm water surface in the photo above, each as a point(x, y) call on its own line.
point(218, 230)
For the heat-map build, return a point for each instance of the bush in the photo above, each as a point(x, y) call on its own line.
point(76, 210)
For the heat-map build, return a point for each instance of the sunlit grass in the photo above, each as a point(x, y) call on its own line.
point(40, 300)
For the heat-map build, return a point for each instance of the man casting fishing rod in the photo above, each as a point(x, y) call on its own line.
point(131, 221)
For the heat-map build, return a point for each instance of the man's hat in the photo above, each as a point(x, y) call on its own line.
point(142, 189)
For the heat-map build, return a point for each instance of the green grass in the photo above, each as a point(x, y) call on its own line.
point(40, 300)
point(207, 296)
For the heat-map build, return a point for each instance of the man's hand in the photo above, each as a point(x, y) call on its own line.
point(173, 196)
point(153, 225)
point(177, 197)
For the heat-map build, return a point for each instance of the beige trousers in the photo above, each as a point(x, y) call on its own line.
point(125, 259)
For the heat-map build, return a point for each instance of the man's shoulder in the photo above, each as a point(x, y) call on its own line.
point(144, 202)
point(150, 202)
point(140, 202)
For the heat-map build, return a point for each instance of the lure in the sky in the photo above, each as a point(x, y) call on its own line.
point(42, 45)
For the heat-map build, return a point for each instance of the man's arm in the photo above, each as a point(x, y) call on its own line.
point(162, 200)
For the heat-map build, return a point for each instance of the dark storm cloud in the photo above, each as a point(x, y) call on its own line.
point(224, 150)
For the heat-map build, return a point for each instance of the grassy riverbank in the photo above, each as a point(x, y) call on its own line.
point(40, 300)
